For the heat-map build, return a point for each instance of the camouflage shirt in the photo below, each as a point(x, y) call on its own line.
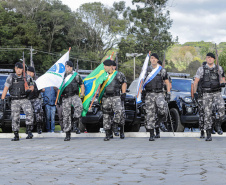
point(9, 80)
point(199, 73)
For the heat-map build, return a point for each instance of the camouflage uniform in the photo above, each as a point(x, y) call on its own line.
point(18, 103)
point(210, 98)
point(201, 113)
point(38, 111)
point(155, 103)
point(67, 102)
point(113, 103)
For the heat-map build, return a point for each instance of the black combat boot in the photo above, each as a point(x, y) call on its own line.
point(107, 137)
point(39, 128)
point(152, 135)
point(202, 134)
point(122, 135)
point(163, 127)
point(213, 129)
point(16, 136)
point(75, 126)
point(115, 129)
point(68, 136)
point(218, 128)
point(208, 133)
point(111, 134)
point(29, 133)
point(157, 132)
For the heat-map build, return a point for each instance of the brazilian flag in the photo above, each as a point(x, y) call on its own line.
point(91, 83)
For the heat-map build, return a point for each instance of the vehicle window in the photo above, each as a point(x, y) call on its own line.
point(2, 82)
point(181, 85)
point(133, 87)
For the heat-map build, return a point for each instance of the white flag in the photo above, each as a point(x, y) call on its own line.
point(55, 75)
point(141, 79)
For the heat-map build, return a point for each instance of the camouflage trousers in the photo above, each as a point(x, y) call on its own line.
point(60, 116)
point(201, 113)
point(67, 104)
point(110, 104)
point(16, 105)
point(155, 107)
point(38, 111)
point(209, 99)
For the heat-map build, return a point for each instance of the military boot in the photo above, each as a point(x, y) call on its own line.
point(75, 126)
point(16, 136)
point(202, 134)
point(122, 135)
point(157, 132)
point(152, 135)
point(213, 129)
point(111, 134)
point(68, 136)
point(29, 133)
point(115, 129)
point(39, 128)
point(107, 137)
point(208, 133)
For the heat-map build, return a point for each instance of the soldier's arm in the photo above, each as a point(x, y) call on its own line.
point(82, 90)
point(4, 92)
point(196, 84)
point(124, 87)
point(167, 85)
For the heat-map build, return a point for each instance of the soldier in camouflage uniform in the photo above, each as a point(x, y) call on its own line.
point(112, 100)
point(35, 98)
point(155, 104)
point(211, 77)
point(71, 98)
point(15, 84)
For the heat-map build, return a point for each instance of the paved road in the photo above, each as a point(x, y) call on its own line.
point(168, 160)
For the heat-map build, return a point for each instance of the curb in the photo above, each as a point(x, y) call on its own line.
point(127, 134)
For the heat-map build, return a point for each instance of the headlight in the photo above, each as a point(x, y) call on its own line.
point(187, 99)
point(189, 110)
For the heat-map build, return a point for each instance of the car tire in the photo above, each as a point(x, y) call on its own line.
point(175, 117)
point(7, 129)
point(132, 128)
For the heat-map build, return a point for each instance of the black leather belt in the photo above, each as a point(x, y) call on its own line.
point(17, 98)
point(155, 91)
point(111, 94)
point(211, 90)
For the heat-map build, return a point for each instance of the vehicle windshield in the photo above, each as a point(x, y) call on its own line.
point(2, 82)
point(133, 88)
point(181, 85)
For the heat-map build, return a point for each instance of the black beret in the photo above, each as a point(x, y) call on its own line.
point(155, 55)
point(114, 63)
point(211, 55)
point(160, 62)
point(69, 63)
point(108, 62)
point(19, 65)
point(31, 69)
point(204, 63)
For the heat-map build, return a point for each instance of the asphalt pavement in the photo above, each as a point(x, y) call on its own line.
point(87, 159)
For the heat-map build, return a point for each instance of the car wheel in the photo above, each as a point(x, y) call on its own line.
point(7, 129)
point(175, 118)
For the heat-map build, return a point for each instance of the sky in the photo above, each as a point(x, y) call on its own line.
point(193, 20)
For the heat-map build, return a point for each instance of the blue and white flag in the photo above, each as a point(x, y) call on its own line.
point(152, 75)
point(55, 75)
point(141, 79)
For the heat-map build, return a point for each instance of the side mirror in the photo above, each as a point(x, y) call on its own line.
point(127, 90)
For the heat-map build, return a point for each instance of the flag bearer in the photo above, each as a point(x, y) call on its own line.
point(111, 98)
point(70, 92)
point(155, 103)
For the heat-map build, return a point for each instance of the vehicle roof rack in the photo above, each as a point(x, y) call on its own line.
point(6, 70)
point(183, 75)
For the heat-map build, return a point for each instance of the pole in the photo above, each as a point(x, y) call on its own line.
point(134, 66)
point(31, 57)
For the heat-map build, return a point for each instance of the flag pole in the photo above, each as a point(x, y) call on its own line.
point(58, 92)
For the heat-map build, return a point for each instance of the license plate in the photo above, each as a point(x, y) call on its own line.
point(22, 116)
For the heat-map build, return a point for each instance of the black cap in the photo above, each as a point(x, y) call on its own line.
point(211, 55)
point(155, 55)
point(160, 62)
point(114, 63)
point(31, 69)
point(204, 63)
point(69, 63)
point(19, 65)
point(108, 62)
